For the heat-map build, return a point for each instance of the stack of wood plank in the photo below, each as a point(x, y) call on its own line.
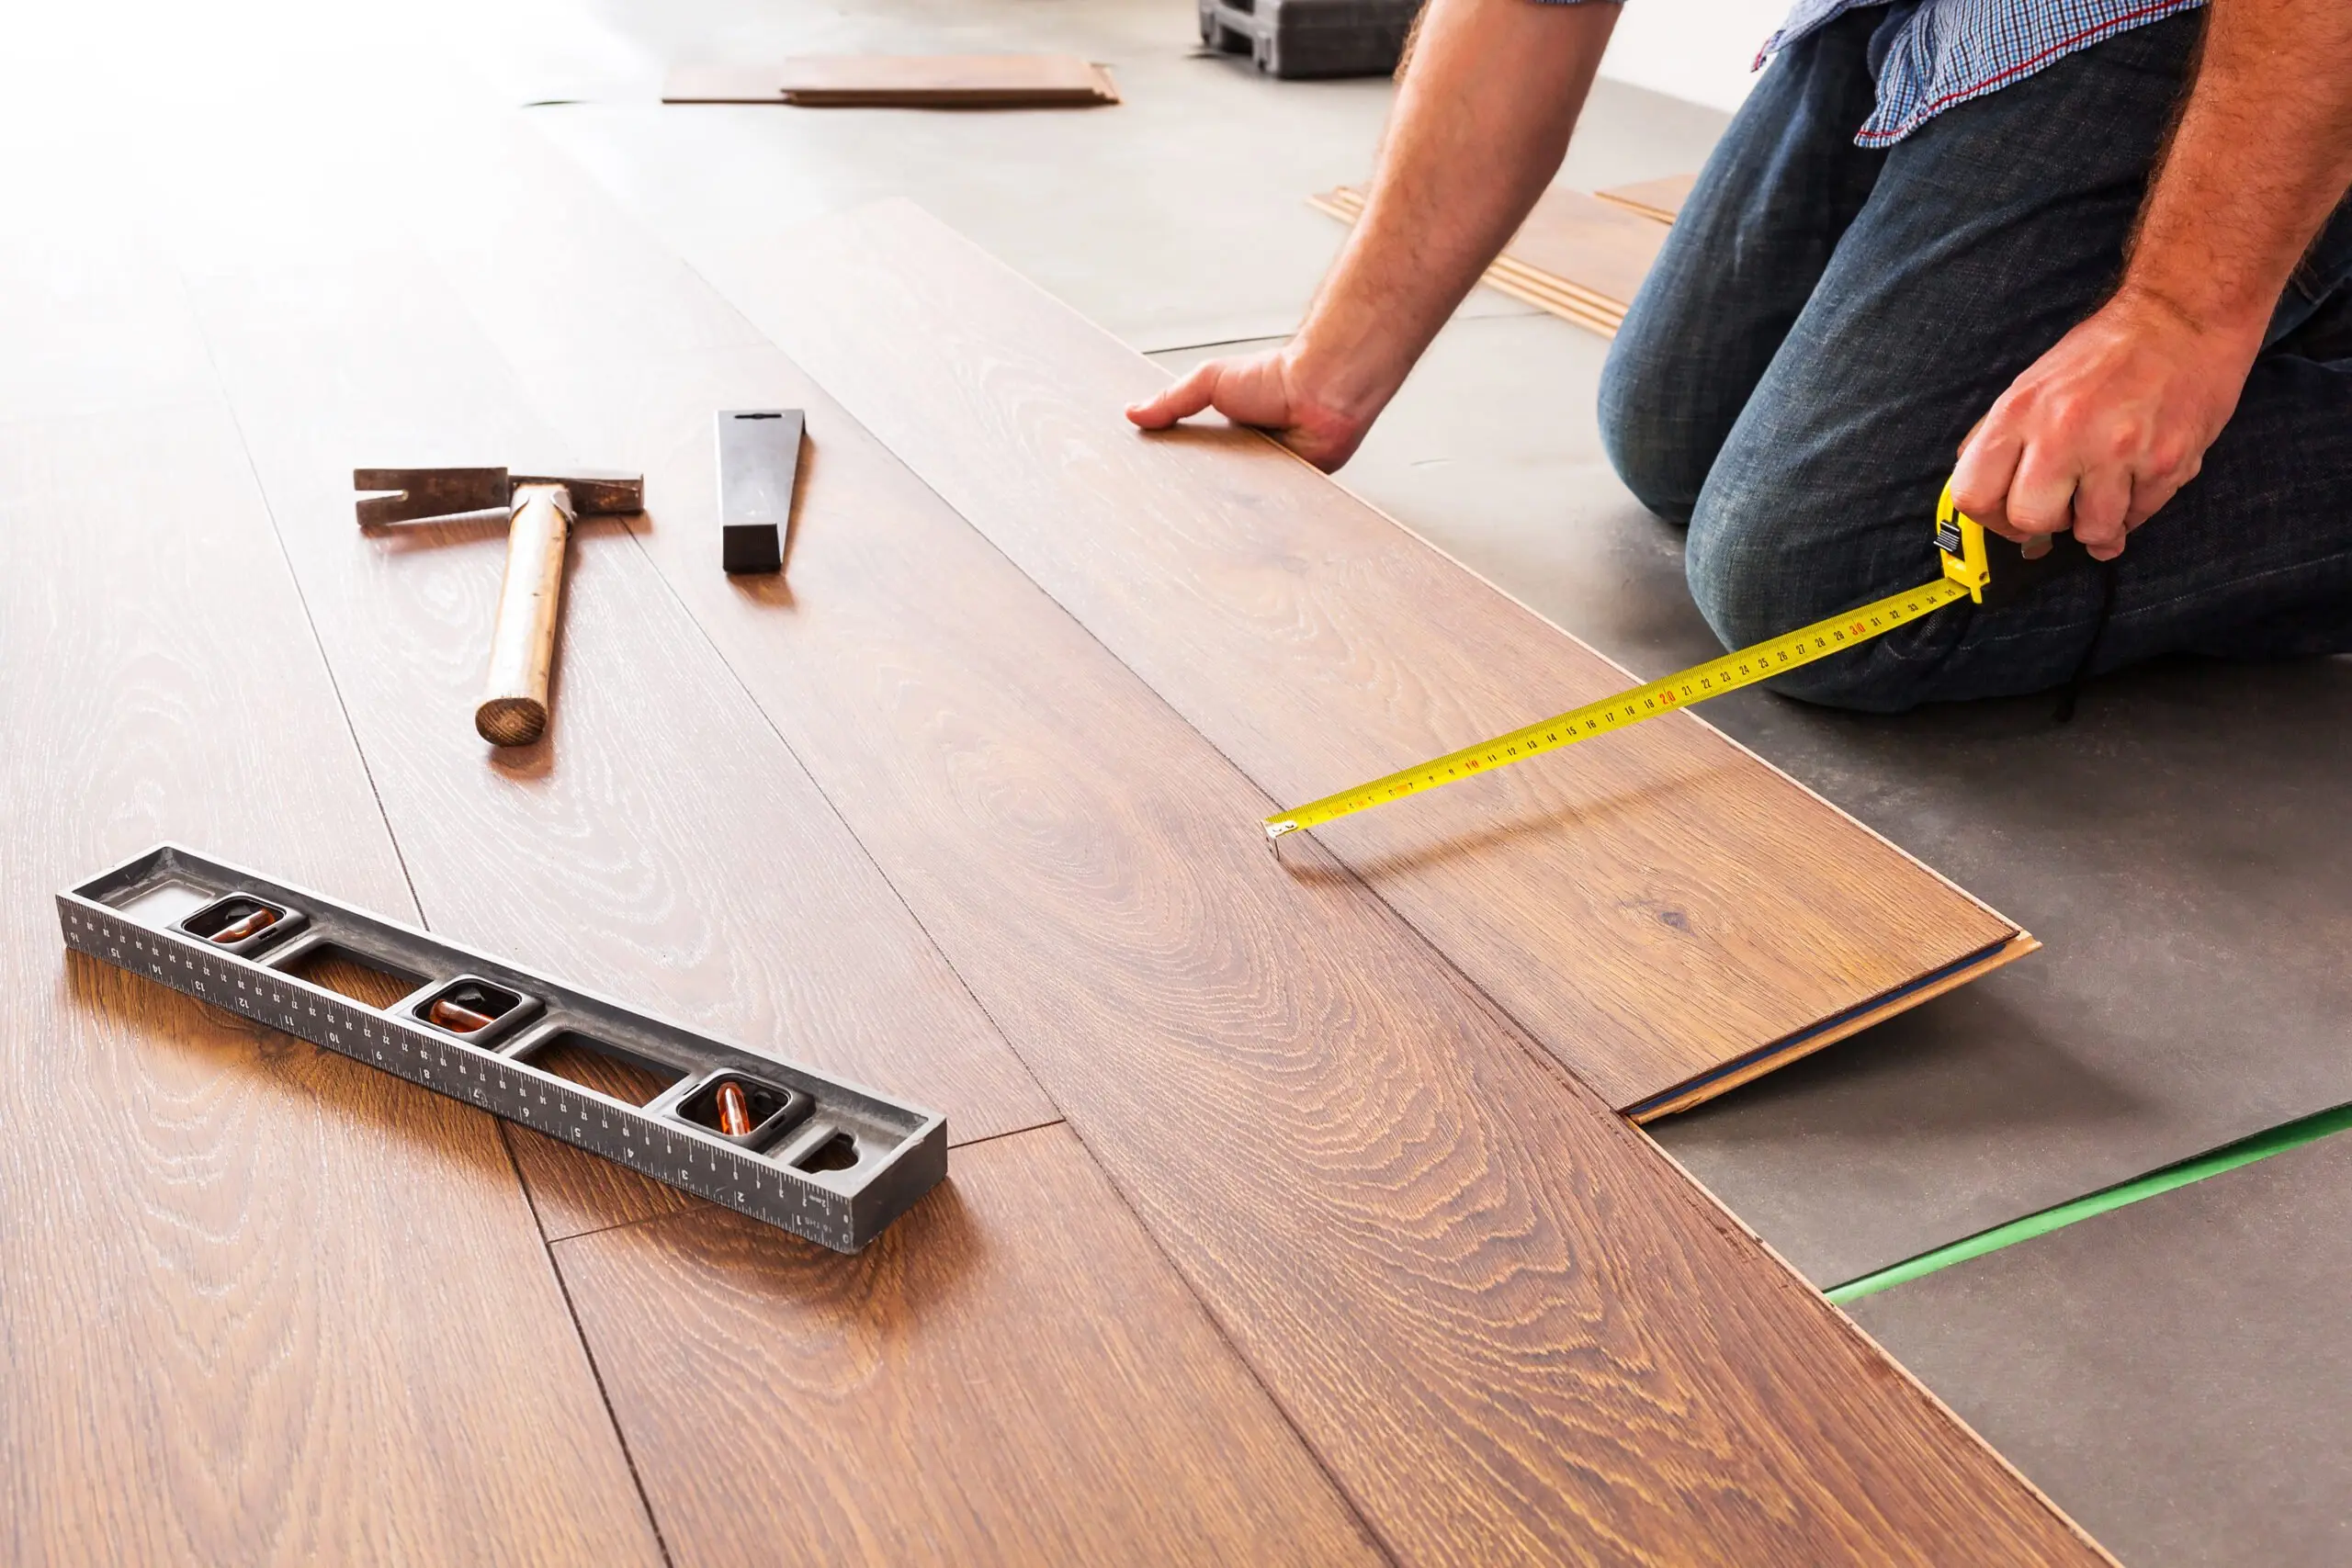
point(1660, 198)
point(1579, 256)
point(912, 81)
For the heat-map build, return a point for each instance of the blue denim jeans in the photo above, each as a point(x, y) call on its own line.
point(1826, 323)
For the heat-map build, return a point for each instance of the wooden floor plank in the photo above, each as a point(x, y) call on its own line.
point(660, 843)
point(1652, 907)
point(1510, 1329)
point(1010, 1374)
point(1046, 1363)
point(258, 1303)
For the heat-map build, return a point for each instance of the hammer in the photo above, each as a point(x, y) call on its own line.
point(539, 507)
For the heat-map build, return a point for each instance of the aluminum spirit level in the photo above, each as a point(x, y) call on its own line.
point(822, 1157)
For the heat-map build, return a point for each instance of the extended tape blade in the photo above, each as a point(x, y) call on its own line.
point(1713, 678)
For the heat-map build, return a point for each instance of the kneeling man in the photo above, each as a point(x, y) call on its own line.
point(2086, 258)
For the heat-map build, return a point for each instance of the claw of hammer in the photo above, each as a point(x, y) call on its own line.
point(422, 495)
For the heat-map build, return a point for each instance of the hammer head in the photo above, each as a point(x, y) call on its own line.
point(419, 495)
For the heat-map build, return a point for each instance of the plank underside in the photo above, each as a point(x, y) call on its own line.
point(1659, 200)
point(1652, 906)
point(1389, 1206)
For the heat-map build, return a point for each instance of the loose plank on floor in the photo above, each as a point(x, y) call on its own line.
point(258, 1303)
point(1509, 1328)
point(1010, 1374)
point(1653, 908)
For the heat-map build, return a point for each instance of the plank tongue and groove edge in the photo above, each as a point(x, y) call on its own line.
point(1510, 1330)
point(1667, 913)
point(258, 1303)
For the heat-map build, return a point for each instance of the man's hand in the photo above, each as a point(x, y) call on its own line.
point(1269, 390)
point(2103, 429)
point(2099, 431)
point(1482, 119)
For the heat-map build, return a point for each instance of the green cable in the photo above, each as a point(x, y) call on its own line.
point(2229, 1156)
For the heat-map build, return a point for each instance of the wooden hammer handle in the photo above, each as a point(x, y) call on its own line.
point(514, 708)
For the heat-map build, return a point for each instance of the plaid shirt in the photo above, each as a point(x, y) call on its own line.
point(1952, 50)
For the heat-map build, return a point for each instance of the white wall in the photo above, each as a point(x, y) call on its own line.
point(1698, 49)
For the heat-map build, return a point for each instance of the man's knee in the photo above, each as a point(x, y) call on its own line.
point(1769, 552)
point(1650, 448)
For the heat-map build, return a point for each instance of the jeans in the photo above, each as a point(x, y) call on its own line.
point(1826, 323)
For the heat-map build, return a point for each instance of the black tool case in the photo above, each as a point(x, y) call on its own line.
point(1295, 39)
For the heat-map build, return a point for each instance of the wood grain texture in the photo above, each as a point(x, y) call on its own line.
point(1650, 908)
point(659, 844)
point(1009, 1374)
point(1512, 1330)
point(258, 1303)
point(1050, 1373)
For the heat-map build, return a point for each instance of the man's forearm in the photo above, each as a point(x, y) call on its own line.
point(2104, 429)
point(1481, 123)
point(2262, 156)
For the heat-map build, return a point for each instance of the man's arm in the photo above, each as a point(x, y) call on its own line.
point(1481, 123)
point(2103, 429)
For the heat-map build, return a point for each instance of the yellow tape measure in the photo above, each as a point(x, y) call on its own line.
point(1965, 575)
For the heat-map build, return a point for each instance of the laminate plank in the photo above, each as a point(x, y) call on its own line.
point(916, 81)
point(1010, 1374)
point(1589, 246)
point(1596, 315)
point(261, 1304)
point(1510, 1329)
point(723, 889)
point(1655, 909)
point(1659, 200)
point(1206, 1445)
point(2215, 1007)
point(1583, 250)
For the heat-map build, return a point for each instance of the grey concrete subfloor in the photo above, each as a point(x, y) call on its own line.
point(1177, 217)
point(2173, 1374)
